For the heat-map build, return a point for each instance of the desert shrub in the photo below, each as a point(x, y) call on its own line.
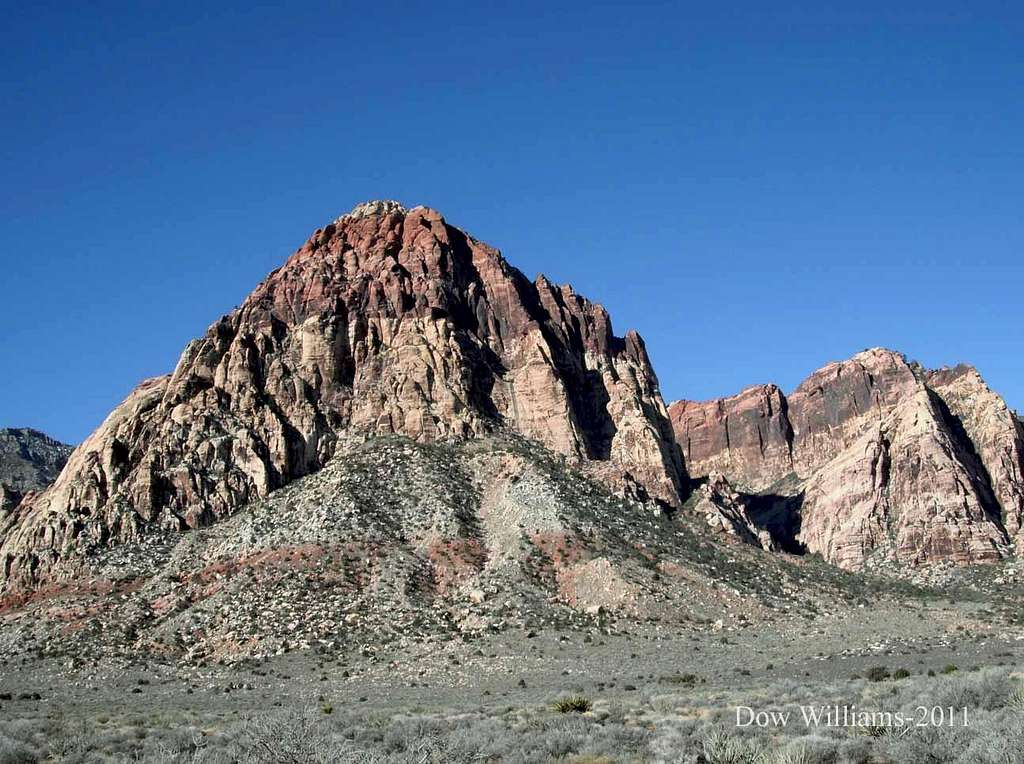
point(900, 674)
point(573, 704)
point(617, 741)
point(482, 740)
point(995, 743)
point(16, 752)
point(560, 740)
point(854, 751)
point(722, 747)
point(669, 742)
point(69, 745)
point(988, 690)
point(687, 679)
point(405, 734)
point(876, 674)
point(949, 668)
point(290, 738)
point(810, 750)
point(926, 745)
point(1016, 699)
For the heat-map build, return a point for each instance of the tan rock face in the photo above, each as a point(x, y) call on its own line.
point(386, 321)
point(836, 404)
point(996, 434)
point(891, 461)
point(905, 491)
point(747, 437)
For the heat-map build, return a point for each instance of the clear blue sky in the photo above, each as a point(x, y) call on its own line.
point(757, 187)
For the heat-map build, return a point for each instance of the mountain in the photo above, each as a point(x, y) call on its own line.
point(29, 461)
point(873, 459)
point(386, 321)
point(390, 322)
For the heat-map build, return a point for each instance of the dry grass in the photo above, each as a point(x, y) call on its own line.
point(644, 728)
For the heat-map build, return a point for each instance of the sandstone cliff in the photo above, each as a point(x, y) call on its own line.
point(907, 492)
point(885, 460)
point(386, 321)
point(832, 407)
point(996, 435)
point(747, 436)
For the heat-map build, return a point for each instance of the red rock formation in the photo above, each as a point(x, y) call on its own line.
point(760, 436)
point(904, 492)
point(385, 321)
point(836, 404)
point(952, 487)
point(747, 437)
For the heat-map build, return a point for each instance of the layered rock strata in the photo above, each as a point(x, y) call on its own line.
point(883, 460)
point(386, 321)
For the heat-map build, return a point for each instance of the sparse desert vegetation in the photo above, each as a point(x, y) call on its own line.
point(693, 725)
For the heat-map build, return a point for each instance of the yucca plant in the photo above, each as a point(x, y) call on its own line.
point(573, 704)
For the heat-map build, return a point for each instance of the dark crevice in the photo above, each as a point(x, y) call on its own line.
point(981, 480)
point(780, 515)
point(787, 425)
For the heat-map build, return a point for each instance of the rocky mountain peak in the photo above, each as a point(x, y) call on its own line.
point(388, 321)
point(375, 207)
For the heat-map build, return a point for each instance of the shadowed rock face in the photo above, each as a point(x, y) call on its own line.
point(385, 321)
point(890, 461)
point(29, 461)
point(726, 512)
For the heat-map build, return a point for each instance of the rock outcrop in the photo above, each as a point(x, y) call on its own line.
point(747, 437)
point(385, 321)
point(996, 434)
point(834, 406)
point(905, 492)
point(761, 436)
point(395, 542)
point(886, 461)
point(725, 511)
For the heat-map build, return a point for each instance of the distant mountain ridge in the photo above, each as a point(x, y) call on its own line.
point(29, 461)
